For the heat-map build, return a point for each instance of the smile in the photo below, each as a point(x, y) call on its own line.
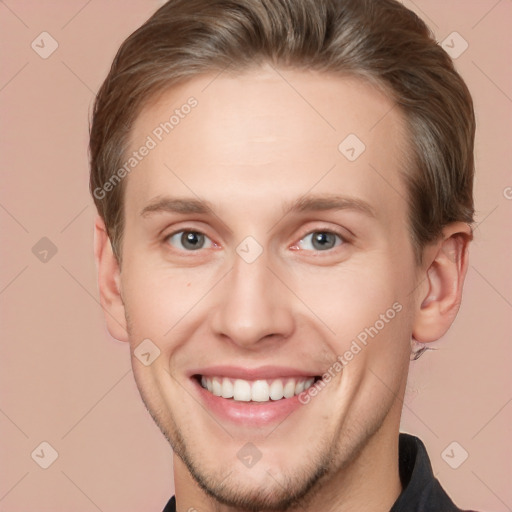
point(252, 397)
point(263, 390)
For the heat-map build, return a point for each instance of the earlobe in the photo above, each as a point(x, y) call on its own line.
point(444, 278)
point(109, 282)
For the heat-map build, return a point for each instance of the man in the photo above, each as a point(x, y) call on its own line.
point(284, 191)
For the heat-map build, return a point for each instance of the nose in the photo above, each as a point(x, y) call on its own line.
point(254, 306)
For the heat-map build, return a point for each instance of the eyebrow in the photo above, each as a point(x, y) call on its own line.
point(310, 203)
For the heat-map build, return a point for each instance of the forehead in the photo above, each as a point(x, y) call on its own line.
point(270, 135)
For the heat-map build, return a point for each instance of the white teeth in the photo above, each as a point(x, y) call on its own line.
point(242, 390)
point(289, 389)
point(227, 388)
point(257, 390)
point(276, 390)
point(217, 386)
point(260, 391)
point(299, 387)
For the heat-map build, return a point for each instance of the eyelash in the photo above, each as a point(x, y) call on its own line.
point(342, 237)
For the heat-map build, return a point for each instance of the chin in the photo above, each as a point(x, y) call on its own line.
point(267, 486)
point(264, 492)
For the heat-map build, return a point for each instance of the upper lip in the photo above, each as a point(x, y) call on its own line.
point(261, 372)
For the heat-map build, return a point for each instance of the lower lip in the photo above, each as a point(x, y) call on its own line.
point(248, 413)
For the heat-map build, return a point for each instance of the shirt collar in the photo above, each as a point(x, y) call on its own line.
point(421, 491)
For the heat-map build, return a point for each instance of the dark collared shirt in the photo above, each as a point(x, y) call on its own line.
point(421, 492)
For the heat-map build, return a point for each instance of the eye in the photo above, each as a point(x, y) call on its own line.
point(189, 240)
point(321, 241)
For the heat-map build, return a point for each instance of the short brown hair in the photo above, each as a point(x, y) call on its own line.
point(380, 40)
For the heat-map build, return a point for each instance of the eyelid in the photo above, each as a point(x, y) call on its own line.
point(179, 227)
point(345, 234)
point(344, 241)
point(189, 229)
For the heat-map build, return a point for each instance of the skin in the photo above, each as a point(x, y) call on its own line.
point(251, 145)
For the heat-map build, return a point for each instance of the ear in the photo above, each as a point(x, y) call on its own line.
point(444, 274)
point(109, 282)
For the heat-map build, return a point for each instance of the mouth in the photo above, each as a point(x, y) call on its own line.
point(252, 397)
point(257, 390)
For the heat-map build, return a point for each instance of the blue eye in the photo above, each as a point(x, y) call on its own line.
point(189, 240)
point(321, 240)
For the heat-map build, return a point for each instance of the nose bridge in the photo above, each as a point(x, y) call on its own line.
point(253, 302)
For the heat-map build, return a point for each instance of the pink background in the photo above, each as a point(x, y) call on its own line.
point(65, 381)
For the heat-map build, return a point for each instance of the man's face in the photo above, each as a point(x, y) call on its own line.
point(254, 291)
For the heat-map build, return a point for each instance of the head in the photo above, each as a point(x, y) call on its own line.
point(281, 186)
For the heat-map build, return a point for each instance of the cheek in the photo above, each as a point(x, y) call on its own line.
point(151, 301)
point(160, 300)
point(367, 308)
point(350, 298)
